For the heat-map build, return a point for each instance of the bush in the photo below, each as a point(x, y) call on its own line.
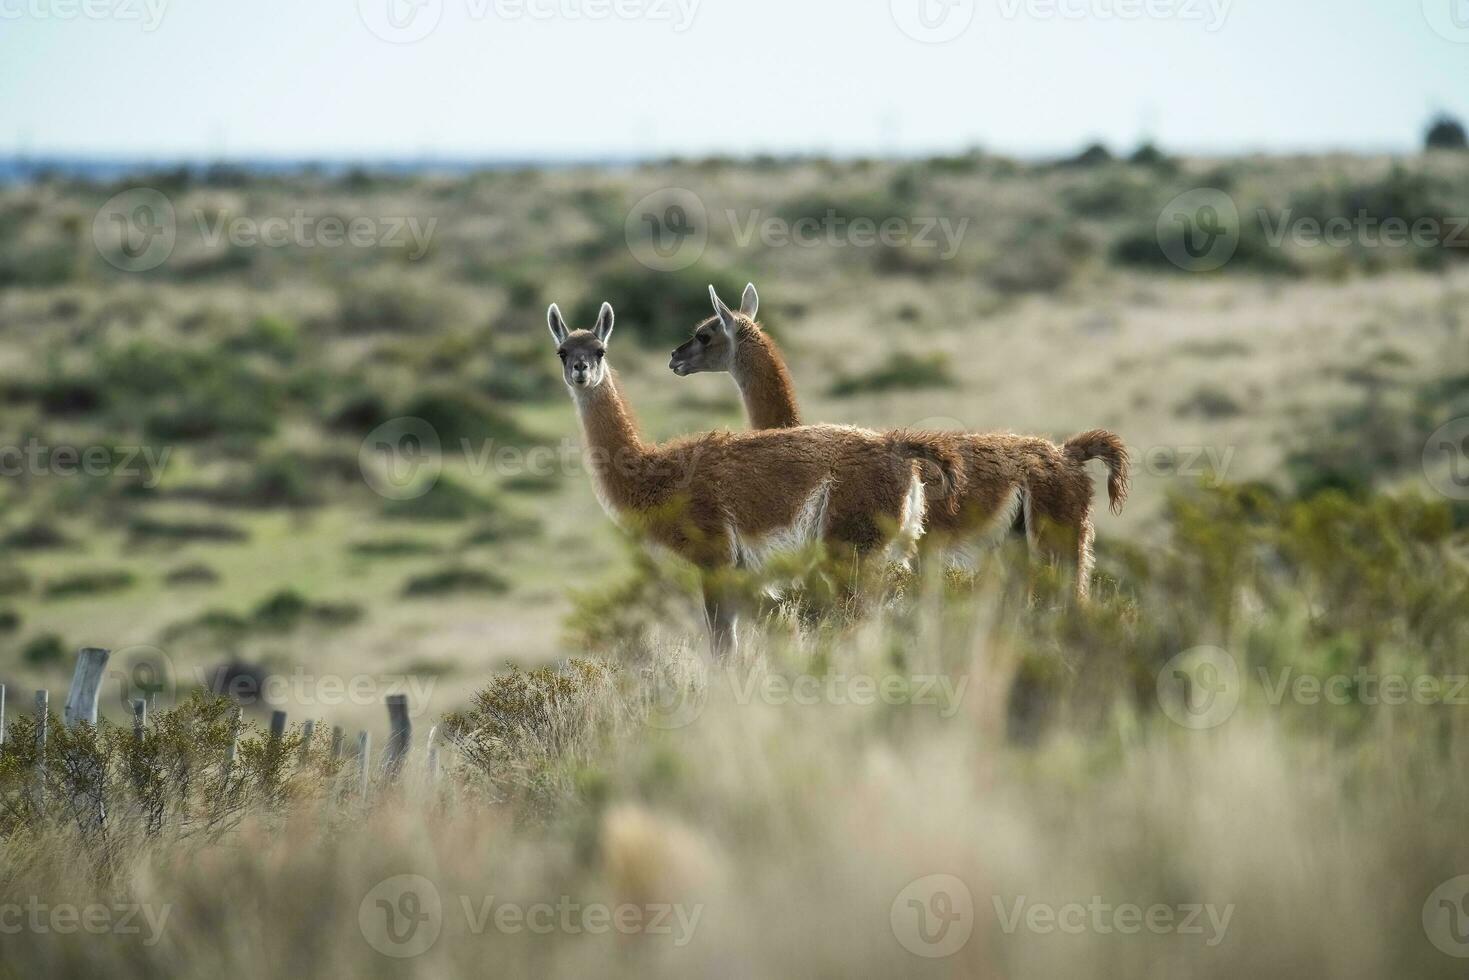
point(462, 419)
point(1446, 133)
point(14, 581)
point(145, 529)
point(904, 371)
point(9, 620)
point(45, 650)
point(88, 583)
point(446, 500)
point(36, 536)
point(194, 574)
point(450, 580)
point(1095, 155)
point(654, 309)
point(1210, 402)
point(394, 548)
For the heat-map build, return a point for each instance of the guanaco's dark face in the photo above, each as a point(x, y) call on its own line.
point(713, 345)
point(710, 349)
point(583, 353)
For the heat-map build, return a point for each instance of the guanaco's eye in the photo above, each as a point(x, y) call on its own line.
point(703, 339)
point(561, 354)
point(601, 354)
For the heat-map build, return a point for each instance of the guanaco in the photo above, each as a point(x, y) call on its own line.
point(725, 500)
point(1010, 481)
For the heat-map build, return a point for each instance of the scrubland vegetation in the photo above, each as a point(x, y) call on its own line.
point(1283, 527)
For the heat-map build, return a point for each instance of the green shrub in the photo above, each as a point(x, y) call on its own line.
point(904, 371)
point(36, 536)
point(394, 548)
point(654, 309)
point(1210, 402)
point(88, 583)
point(446, 500)
point(44, 650)
point(14, 580)
point(1446, 133)
point(463, 419)
point(196, 573)
point(450, 580)
point(146, 529)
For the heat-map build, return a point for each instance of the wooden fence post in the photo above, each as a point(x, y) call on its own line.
point(364, 762)
point(233, 748)
point(277, 726)
point(43, 713)
point(81, 708)
point(308, 729)
point(337, 735)
point(140, 717)
point(400, 735)
point(86, 684)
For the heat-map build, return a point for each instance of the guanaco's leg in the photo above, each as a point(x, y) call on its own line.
point(721, 614)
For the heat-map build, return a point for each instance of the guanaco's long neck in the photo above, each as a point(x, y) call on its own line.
point(613, 446)
point(765, 385)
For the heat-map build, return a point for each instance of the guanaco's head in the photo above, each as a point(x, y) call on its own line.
point(713, 345)
point(583, 353)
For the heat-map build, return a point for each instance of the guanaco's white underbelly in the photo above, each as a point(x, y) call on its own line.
point(753, 551)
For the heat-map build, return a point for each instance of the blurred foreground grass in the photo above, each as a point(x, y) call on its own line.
point(1285, 800)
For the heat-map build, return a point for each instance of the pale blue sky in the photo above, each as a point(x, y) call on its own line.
point(308, 77)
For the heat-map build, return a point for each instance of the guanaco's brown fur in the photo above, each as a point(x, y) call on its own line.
point(726, 499)
point(1005, 477)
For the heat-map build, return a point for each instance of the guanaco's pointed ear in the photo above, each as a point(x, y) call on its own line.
point(750, 302)
point(726, 316)
point(603, 329)
point(557, 324)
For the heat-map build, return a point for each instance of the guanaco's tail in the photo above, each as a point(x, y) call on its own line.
point(937, 452)
point(1103, 445)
